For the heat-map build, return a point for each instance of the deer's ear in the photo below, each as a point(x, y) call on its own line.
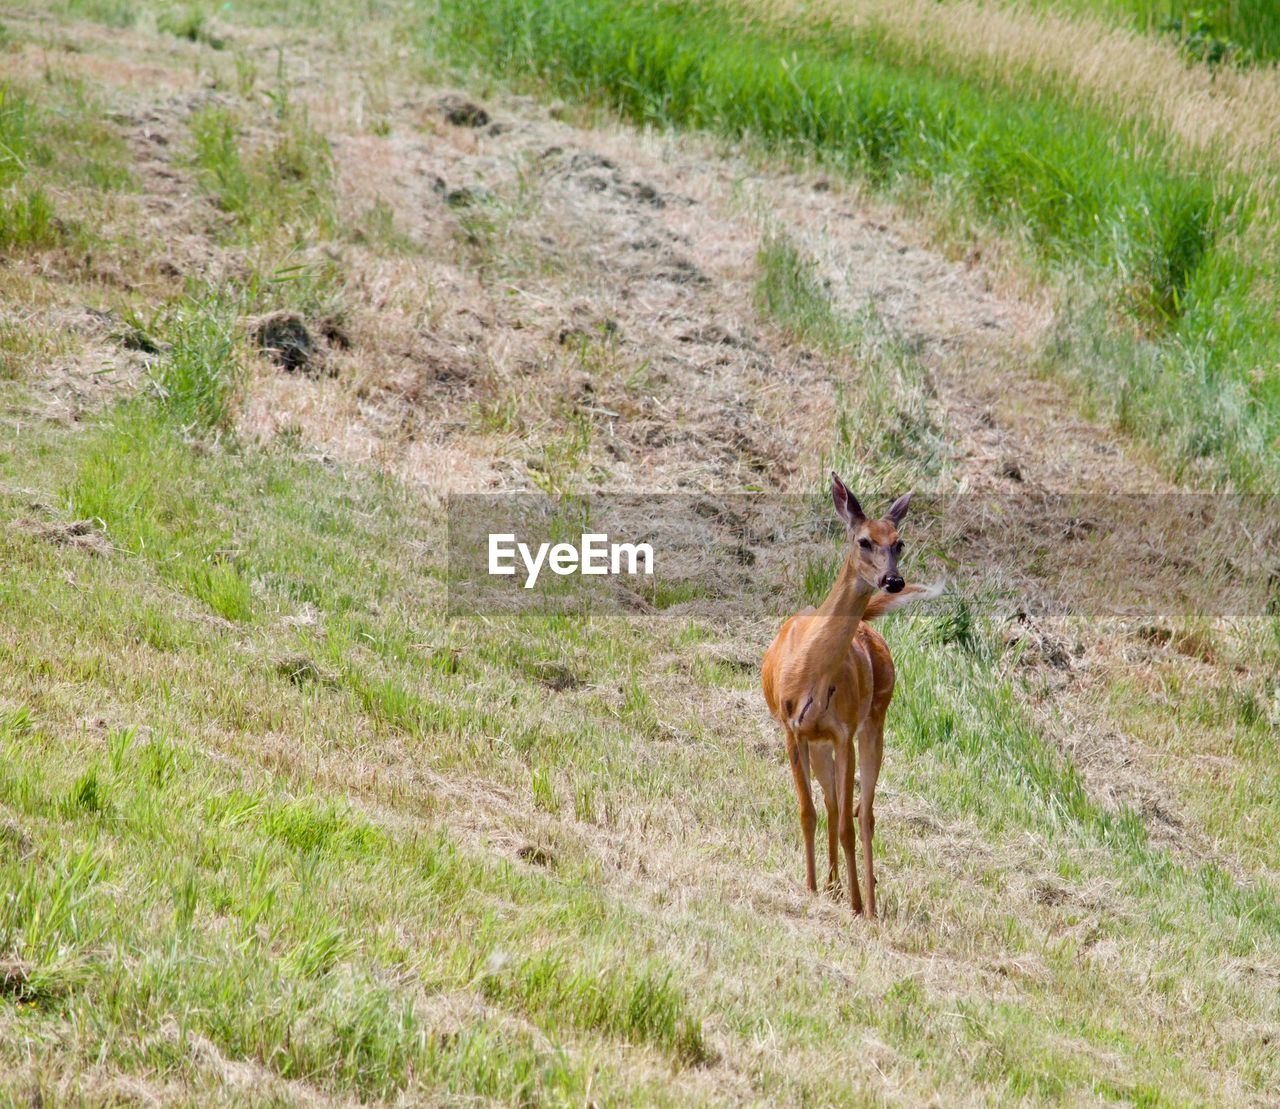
point(847, 506)
point(898, 509)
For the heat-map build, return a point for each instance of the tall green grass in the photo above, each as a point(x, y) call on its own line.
point(18, 142)
point(1043, 168)
point(1248, 30)
point(1089, 197)
point(27, 220)
point(195, 378)
point(26, 215)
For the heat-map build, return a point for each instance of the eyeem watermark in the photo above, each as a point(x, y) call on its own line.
point(1148, 561)
point(594, 555)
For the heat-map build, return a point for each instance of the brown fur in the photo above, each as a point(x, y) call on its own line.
point(828, 679)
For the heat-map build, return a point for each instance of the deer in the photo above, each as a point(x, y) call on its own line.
point(828, 679)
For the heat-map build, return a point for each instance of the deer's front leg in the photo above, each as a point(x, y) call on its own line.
point(844, 783)
point(870, 751)
point(798, 757)
point(823, 766)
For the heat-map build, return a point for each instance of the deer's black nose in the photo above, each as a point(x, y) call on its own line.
point(891, 583)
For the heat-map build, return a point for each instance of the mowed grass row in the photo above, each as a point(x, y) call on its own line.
point(1171, 251)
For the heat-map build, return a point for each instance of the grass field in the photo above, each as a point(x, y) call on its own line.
point(276, 827)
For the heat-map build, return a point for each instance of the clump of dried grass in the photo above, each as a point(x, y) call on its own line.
point(82, 535)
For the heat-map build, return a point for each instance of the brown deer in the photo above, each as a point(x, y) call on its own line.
point(828, 678)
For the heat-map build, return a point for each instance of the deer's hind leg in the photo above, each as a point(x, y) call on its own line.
point(798, 757)
point(844, 783)
point(870, 752)
point(824, 770)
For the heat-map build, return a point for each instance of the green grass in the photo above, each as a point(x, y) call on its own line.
point(26, 214)
point(18, 144)
point(112, 13)
point(1086, 195)
point(278, 191)
point(170, 853)
point(135, 479)
point(189, 23)
point(27, 220)
point(284, 184)
point(52, 138)
point(1041, 167)
point(58, 127)
point(1211, 30)
point(196, 376)
point(260, 894)
point(1191, 721)
point(323, 1024)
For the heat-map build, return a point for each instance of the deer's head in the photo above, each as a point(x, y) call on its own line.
point(874, 544)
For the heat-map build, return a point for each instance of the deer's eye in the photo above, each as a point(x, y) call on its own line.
point(865, 544)
point(897, 547)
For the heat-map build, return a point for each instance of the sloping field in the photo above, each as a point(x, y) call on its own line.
point(277, 826)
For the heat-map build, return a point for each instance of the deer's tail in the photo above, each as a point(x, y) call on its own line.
point(883, 603)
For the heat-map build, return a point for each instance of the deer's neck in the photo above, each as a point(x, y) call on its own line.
point(839, 615)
